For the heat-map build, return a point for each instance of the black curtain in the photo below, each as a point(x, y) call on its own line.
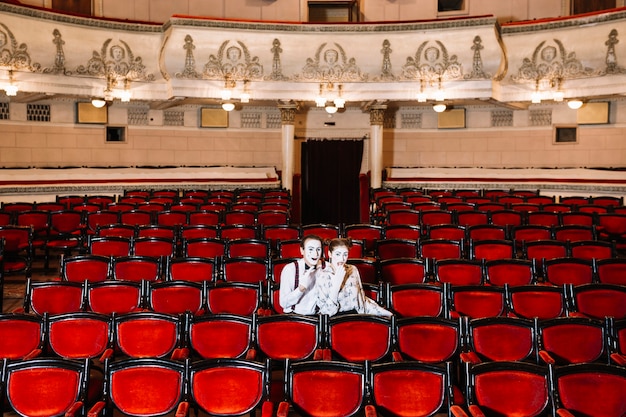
point(330, 180)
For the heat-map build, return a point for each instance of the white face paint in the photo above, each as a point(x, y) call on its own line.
point(339, 257)
point(312, 251)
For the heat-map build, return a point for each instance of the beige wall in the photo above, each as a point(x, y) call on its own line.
point(62, 142)
point(296, 10)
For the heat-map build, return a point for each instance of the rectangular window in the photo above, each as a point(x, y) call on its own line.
point(333, 11)
point(452, 7)
point(565, 134)
point(116, 134)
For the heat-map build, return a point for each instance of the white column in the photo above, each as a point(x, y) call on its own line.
point(288, 114)
point(377, 116)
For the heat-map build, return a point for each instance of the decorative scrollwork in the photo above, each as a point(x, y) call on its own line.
point(14, 55)
point(331, 65)
point(432, 64)
point(116, 62)
point(190, 61)
point(551, 62)
point(233, 62)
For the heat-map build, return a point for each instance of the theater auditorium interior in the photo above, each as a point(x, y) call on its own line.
point(161, 160)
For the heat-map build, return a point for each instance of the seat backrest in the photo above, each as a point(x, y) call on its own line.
point(323, 230)
point(245, 269)
point(242, 298)
point(205, 217)
point(396, 248)
point(288, 336)
point(220, 335)
point(401, 231)
point(412, 300)
point(89, 267)
point(593, 249)
point(310, 386)
point(459, 271)
point(590, 389)
point(490, 249)
point(83, 335)
point(144, 386)
point(512, 272)
point(481, 231)
point(135, 268)
point(611, 271)
point(110, 246)
point(509, 388)
point(567, 340)
point(154, 246)
point(359, 338)
point(22, 335)
point(255, 248)
point(394, 384)
point(109, 297)
point(247, 385)
point(477, 301)
point(396, 271)
point(53, 297)
point(147, 334)
point(502, 339)
point(204, 247)
point(196, 269)
point(239, 231)
point(368, 233)
point(46, 386)
point(440, 249)
point(575, 271)
point(429, 339)
point(540, 301)
point(600, 300)
point(177, 297)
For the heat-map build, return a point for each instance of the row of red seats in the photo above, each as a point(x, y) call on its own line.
point(349, 383)
point(89, 335)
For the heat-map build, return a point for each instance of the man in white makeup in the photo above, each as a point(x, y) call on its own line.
point(297, 279)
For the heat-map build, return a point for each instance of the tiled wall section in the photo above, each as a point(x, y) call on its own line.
point(61, 142)
point(36, 145)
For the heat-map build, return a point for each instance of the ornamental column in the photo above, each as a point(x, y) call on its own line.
point(377, 116)
point(287, 116)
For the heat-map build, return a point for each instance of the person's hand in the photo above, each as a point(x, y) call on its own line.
point(307, 281)
point(340, 274)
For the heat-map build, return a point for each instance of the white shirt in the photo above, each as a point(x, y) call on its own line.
point(291, 299)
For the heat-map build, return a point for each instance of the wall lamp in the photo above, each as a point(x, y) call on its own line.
point(575, 104)
point(11, 88)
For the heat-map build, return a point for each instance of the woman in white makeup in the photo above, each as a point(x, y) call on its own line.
point(297, 279)
point(338, 285)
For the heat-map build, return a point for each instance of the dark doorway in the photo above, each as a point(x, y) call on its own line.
point(587, 6)
point(330, 180)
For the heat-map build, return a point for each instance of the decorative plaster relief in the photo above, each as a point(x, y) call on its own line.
point(330, 64)
point(14, 55)
point(117, 61)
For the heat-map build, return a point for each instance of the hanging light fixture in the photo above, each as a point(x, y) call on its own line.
point(331, 109)
point(126, 95)
point(535, 97)
point(11, 88)
point(440, 107)
point(421, 95)
point(245, 95)
point(327, 94)
point(228, 106)
point(575, 104)
point(98, 102)
point(227, 92)
point(440, 94)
